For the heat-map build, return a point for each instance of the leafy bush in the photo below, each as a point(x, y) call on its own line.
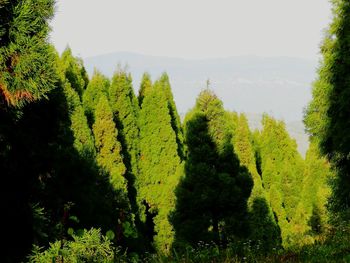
point(88, 246)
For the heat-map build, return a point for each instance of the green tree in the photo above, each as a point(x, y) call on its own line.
point(312, 215)
point(326, 117)
point(243, 145)
point(83, 139)
point(126, 110)
point(97, 87)
point(261, 219)
point(163, 83)
point(282, 174)
point(145, 87)
point(108, 148)
point(160, 165)
point(74, 71)
point(212, 196)
point(110, 160)
point(27, 75)
point(27, 60)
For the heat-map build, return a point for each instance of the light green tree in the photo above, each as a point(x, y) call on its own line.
point(145, 87)
point(160, 166)
point(97, 87)
point(163, 84)
point(263, 227)
point(282, 174)
point(108, 148)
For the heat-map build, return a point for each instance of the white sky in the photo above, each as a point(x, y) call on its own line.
point(192, 28)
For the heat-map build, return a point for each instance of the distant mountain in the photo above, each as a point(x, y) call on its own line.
point(279, 86)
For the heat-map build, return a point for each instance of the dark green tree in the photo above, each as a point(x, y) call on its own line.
point(83, 139)
point(212, 196)
point(264, 231)
point(327, 116)
point(27, 74)
point(27, 60)
point(74, 71)
point(263, 227)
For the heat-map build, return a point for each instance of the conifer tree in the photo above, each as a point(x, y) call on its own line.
point(282, 173)
point(243, 146)
point(212, 196)
point(160, 165)
point(145, 87)
point(312, 214)
point(261, 219)
point(27, 60)
point(27, 75)
point(108, 148)
point(97, 87)
point(83, 139)
point(74, 71)
point(126, 110)
point(164, 84)
point(110, 160)
point(327, 116)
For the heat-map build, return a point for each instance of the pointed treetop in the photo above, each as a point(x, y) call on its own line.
point(145, 87)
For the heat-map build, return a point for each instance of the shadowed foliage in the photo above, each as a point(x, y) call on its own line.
point(327, 116)
point(212, 195)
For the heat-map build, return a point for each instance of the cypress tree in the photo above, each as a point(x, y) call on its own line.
point(97, 87)
point(282, 174)
point(110, 160)
point(145, 87)
point(164, 84)
point(263, 226)
point(243, 146)
point(27, 60)
point(327, 116)
point(312, 214)
point(27, 75)
point(126, 110)
point(83, 139)
point(74, 71)
point(212, 196)
point(160, 165)
point(108, 148)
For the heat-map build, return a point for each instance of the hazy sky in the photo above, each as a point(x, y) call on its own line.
point(192, 28)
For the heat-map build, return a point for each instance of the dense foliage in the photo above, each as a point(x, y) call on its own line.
point(27, 60)
point(79, 153)
point(212, 195)
point(160, 165)
point(327, 116)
